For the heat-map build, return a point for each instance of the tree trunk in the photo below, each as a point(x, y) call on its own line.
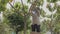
point(16, 32)
point(24, 18)
point(24, 24)
point(51, 24)
point(51, 31)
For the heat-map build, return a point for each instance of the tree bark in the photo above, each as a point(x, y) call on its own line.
point(24, 24)
point(16, 32)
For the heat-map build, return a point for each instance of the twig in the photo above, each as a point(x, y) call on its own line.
point(12, 5)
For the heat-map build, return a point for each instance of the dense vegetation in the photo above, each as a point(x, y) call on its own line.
point(18, 20)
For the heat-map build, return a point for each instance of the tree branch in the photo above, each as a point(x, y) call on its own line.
point(12, 5)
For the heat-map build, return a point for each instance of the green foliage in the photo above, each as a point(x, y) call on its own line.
point(4, 28)
point(39, 2)
point(17, 5)
point(4, 1)
point(52, 0)
point(2, 7)
point(28, 1)
point(15, 20)
point(58, 9)
point(3, 4)
point(58, 18)
point(51, 8)
point(42, 12)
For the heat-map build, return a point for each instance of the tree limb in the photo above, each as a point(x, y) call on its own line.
point(12, 6)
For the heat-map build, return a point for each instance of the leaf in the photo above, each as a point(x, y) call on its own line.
point(28, 0)
point(10, 0)
point(52, 0)
point(58, 9)
point(3, 4)
point(42, 12)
